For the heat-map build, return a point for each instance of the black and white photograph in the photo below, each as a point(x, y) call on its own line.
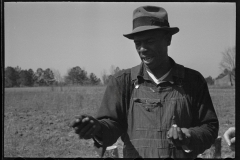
point(119, 79)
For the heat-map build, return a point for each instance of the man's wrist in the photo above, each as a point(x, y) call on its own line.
point(98, 136)
point(186, 149)
point(185, 146)
point(99, 133)
point(187, 140)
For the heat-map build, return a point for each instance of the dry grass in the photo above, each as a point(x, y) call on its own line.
point(224, 104)
point(36, 120)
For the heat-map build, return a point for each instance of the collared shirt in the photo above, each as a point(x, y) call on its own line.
point(167, 77)
point(113, 111)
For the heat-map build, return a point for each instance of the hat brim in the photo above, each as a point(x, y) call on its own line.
point(172, 30)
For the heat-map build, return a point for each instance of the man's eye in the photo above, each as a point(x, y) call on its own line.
point(150, 41)
point(137, 43)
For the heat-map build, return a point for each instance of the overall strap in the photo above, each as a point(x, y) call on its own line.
point(179, 74)
point(134, 74)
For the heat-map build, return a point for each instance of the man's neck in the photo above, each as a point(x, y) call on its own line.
point(161, 69)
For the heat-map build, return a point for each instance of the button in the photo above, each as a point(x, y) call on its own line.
point(137, 86)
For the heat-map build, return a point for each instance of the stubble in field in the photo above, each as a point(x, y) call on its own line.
point(36, 120)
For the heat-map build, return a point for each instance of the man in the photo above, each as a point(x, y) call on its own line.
point(159, 108)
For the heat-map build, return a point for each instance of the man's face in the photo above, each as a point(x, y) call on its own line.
point(152, 47)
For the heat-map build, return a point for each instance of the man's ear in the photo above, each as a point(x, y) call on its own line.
point(169, 39)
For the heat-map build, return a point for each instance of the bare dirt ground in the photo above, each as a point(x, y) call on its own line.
point(36, 120)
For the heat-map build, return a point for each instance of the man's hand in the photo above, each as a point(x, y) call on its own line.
point(179, 136)
point(86, 126)
point(229, 137)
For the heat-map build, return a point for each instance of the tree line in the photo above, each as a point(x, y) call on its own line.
point(227, 66)
point(17, 77)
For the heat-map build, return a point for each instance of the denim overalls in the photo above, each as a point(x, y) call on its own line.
point(150, 116)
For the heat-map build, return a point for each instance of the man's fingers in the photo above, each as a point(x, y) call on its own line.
point(77, 121)
point(80, 125)
point(230, 132)
point(83, 123)
point(85, 129)
point(180, 135)
point(227, 138)
point(169, 134)
point(86, 126)
point(232, 140)
point(175, 135)
point(174, 132)
point(90, 133)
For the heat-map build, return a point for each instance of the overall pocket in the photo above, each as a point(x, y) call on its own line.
point(146, 111)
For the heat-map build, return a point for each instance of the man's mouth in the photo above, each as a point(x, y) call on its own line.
point(147, 59)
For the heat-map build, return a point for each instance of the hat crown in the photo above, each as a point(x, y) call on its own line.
point(150, 11)
point(149, 18)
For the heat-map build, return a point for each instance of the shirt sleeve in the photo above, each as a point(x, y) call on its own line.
point(112, 113)
point(205, 121)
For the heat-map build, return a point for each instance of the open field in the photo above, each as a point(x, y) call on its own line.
point(36, 120)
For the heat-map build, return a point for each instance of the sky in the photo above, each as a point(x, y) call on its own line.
point(63, 35)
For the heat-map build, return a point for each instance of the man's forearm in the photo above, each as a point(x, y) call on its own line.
point(201, 139)
point(109, 133)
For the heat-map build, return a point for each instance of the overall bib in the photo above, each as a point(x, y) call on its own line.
point(150, 116)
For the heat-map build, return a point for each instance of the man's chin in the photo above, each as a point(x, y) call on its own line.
point(149, 66)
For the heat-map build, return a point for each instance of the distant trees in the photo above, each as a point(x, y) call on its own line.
point(223, 74)
point(48, 77)
point(38, 78)
point(16, 77)
point(228, 63)
point(44, 77)
point(79, 76)
point(93, 79)
point(209, 80)
point(228, 60)
point(25, 78)
point(227, 66)
point(114, 70)
point(32, 76)
point(57, 76)
point(11, 77)
point(76, 75)
point(105, 76)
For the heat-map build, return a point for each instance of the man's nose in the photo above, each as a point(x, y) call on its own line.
point(142, 48)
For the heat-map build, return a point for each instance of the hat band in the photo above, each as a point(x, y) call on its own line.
point(149, 21)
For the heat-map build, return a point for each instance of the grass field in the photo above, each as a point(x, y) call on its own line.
point(36, 120)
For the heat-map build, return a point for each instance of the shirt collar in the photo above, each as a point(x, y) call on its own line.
point(176, 72)
point(167, 77)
